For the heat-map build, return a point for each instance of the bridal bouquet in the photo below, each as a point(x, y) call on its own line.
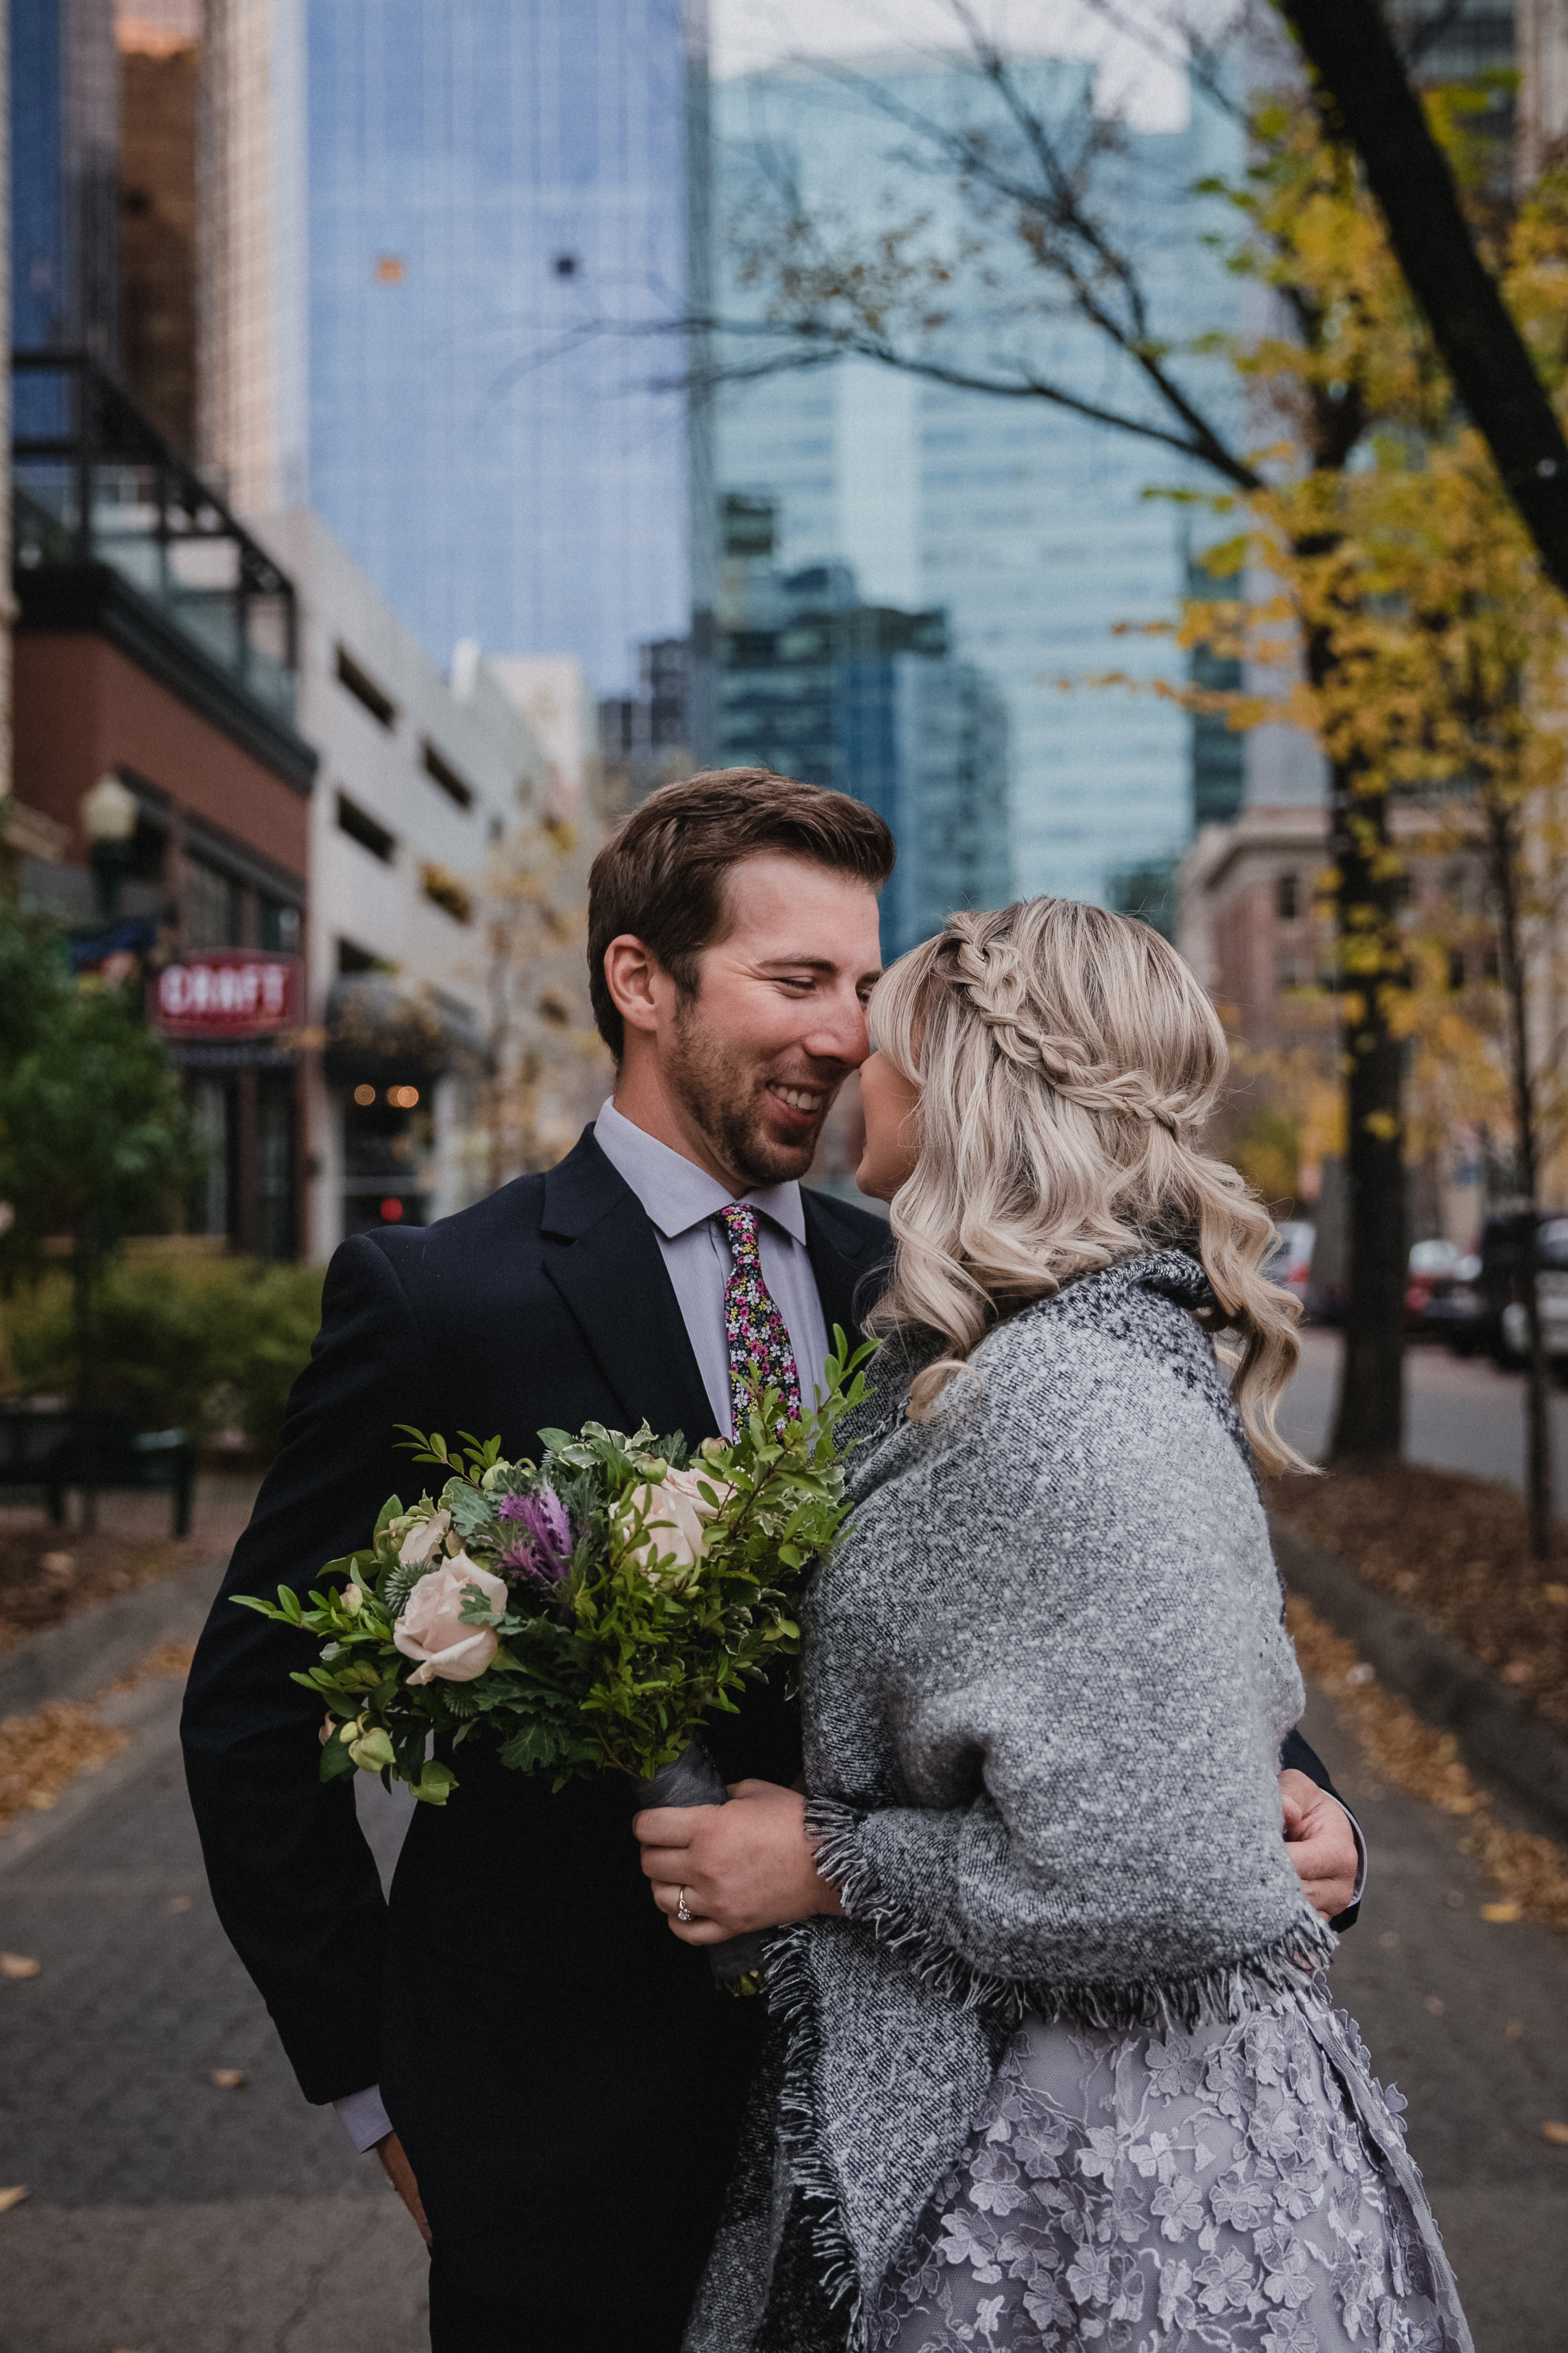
point(588, 1611)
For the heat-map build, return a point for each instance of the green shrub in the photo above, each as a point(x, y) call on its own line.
point(202, 1344)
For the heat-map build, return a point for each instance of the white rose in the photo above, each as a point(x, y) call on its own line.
point(424, 1540)
point(434, 1631)
point(675, 1518)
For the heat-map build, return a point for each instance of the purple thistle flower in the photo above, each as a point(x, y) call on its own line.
point(544, 1545)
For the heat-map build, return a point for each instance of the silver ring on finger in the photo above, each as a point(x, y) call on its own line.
point(682, 1911)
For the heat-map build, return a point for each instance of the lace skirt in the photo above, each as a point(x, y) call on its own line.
point(1243, 2187)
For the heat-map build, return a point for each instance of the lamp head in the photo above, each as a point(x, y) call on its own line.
point(110, 812)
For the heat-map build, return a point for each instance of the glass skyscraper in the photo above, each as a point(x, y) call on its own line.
point(867, 700)
point(1028, 526)
point(420, 220)
point(64, 144)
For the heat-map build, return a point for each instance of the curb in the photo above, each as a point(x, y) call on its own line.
point(71, 1659)
point(1495, 1736)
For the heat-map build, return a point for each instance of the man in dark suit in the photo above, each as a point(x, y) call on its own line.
point(550, 2079)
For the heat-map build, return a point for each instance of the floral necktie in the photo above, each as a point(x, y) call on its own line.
point(761, 1353)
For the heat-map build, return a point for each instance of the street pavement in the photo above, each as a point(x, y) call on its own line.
point(1460, 1414)
point(168, 2215)
point(165, 2214)
point(1467, 2017)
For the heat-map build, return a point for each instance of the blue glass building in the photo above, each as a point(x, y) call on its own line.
point(867, 699)
point(1028, 526)
point(449, 203)
point(64, 152)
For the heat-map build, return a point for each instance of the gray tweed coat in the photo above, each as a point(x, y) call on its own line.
point(1045, 1684)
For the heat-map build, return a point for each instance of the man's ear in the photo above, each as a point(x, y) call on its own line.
point(637, 981)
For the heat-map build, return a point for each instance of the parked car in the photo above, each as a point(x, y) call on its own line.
point(1482, 1308)
point(1551, 1296)
point(1431, 1273)
point(1290, 1264)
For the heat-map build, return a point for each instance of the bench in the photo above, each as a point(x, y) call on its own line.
point(56, 1449)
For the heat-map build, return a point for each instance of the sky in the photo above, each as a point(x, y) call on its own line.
point(1147, 91)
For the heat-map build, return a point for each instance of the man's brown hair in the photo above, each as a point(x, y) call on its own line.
point(662, 875)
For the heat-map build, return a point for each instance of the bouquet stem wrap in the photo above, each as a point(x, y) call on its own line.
point(693, 1780)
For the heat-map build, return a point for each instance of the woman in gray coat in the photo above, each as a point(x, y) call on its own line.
point(1055, 2064)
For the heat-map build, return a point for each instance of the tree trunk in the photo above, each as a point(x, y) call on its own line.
point(1504, 843)
point(1369, 1419)
point(1348, 45)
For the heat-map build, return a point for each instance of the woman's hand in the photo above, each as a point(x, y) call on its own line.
point(1320, 1843)
point(745, 1865)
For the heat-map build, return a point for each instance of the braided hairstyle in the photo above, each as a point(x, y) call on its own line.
point(1068, 1059)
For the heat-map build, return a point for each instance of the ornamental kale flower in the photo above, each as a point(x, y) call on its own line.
point(544, 1545)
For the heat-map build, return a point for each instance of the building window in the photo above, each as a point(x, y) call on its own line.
point(442, 887)
point(361, 827)
point(365, 691)
point(1286, 898)
point(213, 914)
point(1457, 967)
point(277, 925)
point(212, 1115)
point(441, 772)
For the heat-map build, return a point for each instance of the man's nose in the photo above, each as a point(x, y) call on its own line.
point(838, 1033)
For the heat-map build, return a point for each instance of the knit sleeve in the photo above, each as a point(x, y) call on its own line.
point(1086, 1721)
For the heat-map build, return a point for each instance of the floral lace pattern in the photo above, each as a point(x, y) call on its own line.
point(1217, 2189)
point(760, 1350)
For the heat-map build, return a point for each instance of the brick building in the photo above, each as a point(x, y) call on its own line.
point(156, 643)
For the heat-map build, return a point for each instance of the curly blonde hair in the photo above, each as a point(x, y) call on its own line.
point(1068, 1059)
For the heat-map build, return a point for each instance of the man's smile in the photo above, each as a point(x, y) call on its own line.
point(804, 1102)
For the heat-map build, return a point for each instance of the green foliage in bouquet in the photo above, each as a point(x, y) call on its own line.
point(592, 1610)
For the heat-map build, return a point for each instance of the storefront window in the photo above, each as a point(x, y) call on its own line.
point(212, 1109)
point(387, 1136)
point(277, 1187)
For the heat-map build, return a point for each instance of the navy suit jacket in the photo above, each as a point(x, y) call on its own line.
point(528, 2017)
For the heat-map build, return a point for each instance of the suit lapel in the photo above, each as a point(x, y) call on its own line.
point(601, 1254)
point(845, 1260)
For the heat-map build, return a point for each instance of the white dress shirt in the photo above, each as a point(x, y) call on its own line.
point(682, 1202)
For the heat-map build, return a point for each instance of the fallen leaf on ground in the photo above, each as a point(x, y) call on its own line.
point(1436, 2004)
point(1530, 1873)
point(1555, 2133)
point(9, 2197)
point(1500, 1914)
point(178, 1903)
point(1456, 1552)
point(230, 2079)
point(40, 1754)
point(19, 1965)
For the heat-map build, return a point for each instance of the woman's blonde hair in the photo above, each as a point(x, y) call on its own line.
point(1067, 1059)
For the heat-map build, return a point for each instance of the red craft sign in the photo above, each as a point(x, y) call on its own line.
point(233, 993)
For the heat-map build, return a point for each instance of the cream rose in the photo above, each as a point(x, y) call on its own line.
point(434, 1631)
point(424, 1540)
point(675, 1518)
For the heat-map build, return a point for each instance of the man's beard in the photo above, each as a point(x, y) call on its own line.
point(726, 1099)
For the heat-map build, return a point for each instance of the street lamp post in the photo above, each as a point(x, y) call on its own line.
point(108, 815)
